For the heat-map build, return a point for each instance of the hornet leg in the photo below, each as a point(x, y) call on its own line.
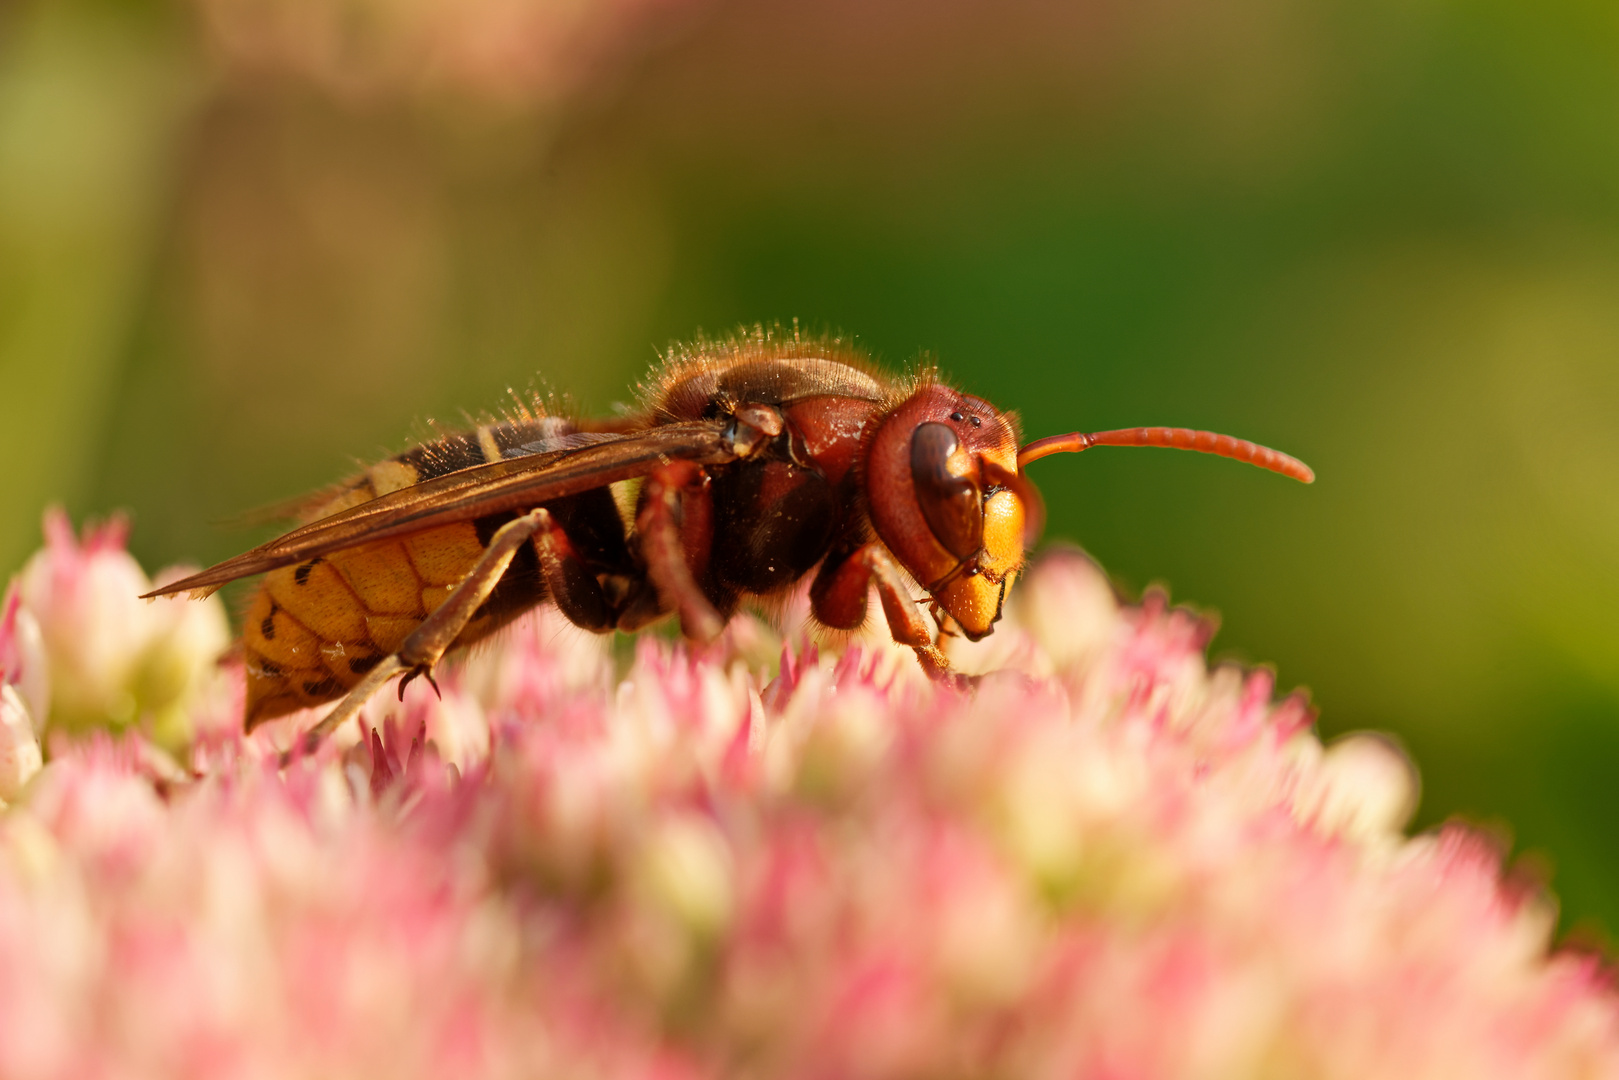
point(838, 599)
point(659, 523)
point(422, 649)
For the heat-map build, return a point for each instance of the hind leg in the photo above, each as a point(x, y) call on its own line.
point(420, 651)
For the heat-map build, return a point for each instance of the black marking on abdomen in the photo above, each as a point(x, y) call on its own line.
point(324, 688)
point(465, 449)
point(444, 456)
point(267, 628)
point(362, 664)
point(487, 527)
point(301, 575)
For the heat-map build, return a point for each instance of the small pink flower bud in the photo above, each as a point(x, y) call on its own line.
point(20, 756)
point(22, 654)
point(86, 597)
point(1363, 787)
point(112, 658)
point(185, 639)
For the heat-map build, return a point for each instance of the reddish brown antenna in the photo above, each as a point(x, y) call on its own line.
point(1204, 442)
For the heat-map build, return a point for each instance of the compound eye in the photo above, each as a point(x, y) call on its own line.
point(951, 502)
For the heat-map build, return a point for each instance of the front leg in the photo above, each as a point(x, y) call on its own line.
point(838, 599)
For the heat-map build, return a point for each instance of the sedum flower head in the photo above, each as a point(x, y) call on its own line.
point(1108, 861)
point(88, 654)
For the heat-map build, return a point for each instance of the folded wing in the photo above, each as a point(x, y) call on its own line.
point(513, 484)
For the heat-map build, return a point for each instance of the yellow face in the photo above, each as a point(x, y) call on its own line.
point(973, 596)
point(944, 494)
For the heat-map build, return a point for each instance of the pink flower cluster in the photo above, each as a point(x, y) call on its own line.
point(1108, 861)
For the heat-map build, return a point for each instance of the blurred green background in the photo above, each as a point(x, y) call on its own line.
point(244, 243)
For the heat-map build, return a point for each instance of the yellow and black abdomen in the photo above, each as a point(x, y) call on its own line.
point(314, 629)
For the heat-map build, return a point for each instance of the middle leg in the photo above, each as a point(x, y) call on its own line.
point(676, 515)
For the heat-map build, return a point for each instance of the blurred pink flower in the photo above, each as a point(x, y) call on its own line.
point(1108, 861)
point(519, 52)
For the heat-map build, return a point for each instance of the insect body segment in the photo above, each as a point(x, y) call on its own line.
point(751, 465)
point(317, 627)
